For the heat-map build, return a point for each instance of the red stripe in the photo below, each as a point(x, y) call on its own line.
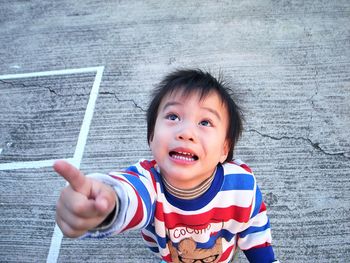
point(246, 167)
point(266, 244)
point(226, 254)
point(262, 207)
point(148, 166)
point(216, 215)
point(242, 165)
point(137, 218)
point(159, 213)
point(132, 173)
point(148, 238)
point(167, 258)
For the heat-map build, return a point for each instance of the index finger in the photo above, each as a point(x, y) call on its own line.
point(74, 176)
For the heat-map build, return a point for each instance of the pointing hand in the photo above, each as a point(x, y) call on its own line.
point(84, 203)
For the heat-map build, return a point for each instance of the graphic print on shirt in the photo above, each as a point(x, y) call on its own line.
point(187, 252)
point(188, 240)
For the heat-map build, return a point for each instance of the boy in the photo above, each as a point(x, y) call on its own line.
point(193, 203)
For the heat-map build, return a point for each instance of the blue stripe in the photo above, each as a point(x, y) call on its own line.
point(160, 240)
point(227, 235)
point(258, 202)
point(201, 201)
point(141, 190)
point(260, 255)
point(254, 229)
point(154, 249)
point(133, 169)
point(238, 182)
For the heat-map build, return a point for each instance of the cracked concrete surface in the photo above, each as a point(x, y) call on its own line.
point(289, 65)
point(315, 145)
point(123, 100)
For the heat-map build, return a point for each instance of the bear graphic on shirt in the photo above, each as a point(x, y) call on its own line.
point(187, 252)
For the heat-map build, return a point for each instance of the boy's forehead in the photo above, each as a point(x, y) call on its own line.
point(182, 95)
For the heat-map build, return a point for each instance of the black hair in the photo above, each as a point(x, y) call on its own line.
point(195, 80)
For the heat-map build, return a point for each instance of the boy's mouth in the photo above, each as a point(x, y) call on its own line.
point(185, 156)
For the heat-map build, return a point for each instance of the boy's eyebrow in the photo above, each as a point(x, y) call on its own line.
point(171, 103)
point(213, 111)
point(176, 103)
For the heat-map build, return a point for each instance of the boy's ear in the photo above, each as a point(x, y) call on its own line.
point(150, 139)
point(225, 151)
point(150, 143)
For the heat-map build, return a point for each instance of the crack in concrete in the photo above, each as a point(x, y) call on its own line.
point(50, 89)
point(29, 86)
point(315, 145)
point(120, 100)
point(311, 99)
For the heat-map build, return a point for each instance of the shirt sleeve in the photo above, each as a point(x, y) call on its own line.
point(260, 255)
point(136, 200)
point(255, 239)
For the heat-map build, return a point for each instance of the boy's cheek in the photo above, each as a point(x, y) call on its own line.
point(153, 146)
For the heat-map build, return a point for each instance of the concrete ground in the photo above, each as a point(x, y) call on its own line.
point(75, 82)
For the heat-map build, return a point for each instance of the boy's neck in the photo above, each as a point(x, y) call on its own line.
point(192, 193)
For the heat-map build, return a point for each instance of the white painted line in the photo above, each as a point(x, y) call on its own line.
point(78, 154)
point(85, 127)
point(28, 165)
point(51, 73)
point(55, 246)
point(57, 236)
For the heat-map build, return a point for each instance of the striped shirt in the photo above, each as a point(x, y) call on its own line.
point(208, 228)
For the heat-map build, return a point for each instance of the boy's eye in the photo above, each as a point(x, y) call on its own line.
point(172, 117)
point(205, 123)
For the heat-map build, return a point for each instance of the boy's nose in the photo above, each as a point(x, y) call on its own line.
point(184, 137)
point(186, 133)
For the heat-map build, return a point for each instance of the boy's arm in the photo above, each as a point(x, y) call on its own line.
point(135, 203)
point(84, 203)
point(255, 240)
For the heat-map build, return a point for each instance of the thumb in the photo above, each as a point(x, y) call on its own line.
point(102, 205)
point(105, 197)
point(74, 176)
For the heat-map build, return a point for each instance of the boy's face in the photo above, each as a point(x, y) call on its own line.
point(189, 138)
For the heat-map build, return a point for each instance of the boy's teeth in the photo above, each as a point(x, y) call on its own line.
point(183, 156)
point(180, 157)
point(186, 153)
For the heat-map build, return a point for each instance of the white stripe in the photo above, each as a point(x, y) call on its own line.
point(255, 239)
point(57, 236)
point(133, 203)
point(242, 198)
point(147, 180)
point(133, 198)
point(235, 168)
point(150, 235)
point(259, 220)
point(234, 226)
point(159, 227)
